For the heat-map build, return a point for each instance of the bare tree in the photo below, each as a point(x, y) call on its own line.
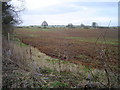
point(82, 25)
point(44, 24)
point(10, 17)
point(70, 25)
point(94, 24)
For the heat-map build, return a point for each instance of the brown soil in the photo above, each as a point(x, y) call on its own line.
point(55, 44)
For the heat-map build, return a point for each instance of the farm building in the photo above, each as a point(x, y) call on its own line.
point(44, 24)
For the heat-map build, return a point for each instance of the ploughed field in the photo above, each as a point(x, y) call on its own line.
point(79, 46)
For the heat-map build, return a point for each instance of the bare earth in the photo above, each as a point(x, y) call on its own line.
point(74, 45)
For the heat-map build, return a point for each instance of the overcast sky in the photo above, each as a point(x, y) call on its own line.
point(62, 12)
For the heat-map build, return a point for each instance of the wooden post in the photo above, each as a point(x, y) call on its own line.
point(8, 36)
point(0, 45)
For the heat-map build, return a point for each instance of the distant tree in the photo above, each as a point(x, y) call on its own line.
point(44, 24)
point(82, 25)
point(70, 25)
point(94, 24)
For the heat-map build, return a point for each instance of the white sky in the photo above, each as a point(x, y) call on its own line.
point(62, 12)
